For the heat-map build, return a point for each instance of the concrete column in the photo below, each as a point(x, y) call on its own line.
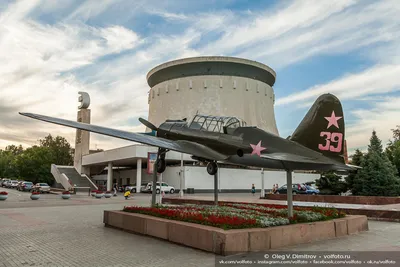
point(82, 142)
point(289, 192)
point(181, 176)
point(216, 189)
point(109, 176)
point(262, 183)
point(138, 175)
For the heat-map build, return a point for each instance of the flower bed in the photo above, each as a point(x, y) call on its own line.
point(237, 216)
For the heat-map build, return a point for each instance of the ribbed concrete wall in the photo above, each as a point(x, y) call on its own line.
point(220, 86)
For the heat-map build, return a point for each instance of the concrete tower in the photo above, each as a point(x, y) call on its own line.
point(220, 86)
point(82, 139)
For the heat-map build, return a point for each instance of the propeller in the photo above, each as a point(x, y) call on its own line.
point(153, 128)
point(148, 124)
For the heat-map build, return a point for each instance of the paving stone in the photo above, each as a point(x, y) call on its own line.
point(55, 232)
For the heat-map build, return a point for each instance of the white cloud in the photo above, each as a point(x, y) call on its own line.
point(269, 25)
point(375, 80)
point(91, 8)
point(382, 117)
point(51, 63)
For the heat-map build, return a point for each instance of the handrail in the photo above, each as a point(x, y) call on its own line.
point(95, 186)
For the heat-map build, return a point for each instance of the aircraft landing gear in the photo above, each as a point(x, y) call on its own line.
point(161, 163)
point(212, 168)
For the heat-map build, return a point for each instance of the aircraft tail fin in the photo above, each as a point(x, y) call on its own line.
point(323, 128)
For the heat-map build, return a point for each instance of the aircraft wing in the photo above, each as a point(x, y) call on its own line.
point(354, 166)
point(186, 147)
point(295, 159)
point(292, 158)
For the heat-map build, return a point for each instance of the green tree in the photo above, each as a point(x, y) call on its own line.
point(393, 149)
point(378, 175)
point(7, 164)
point(60, 149)
point(34, 165)
point(331, 184)
point(356, 160)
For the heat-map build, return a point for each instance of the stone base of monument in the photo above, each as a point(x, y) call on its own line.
point(228, 242)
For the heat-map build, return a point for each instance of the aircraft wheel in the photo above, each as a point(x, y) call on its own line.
point(212, 168)
point(161, 166)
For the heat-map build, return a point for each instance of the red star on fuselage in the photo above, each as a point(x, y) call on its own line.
point(257, 149)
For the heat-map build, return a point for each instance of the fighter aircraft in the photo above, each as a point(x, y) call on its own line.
point(316, 144)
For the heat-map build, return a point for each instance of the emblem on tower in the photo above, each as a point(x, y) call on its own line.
point(84, 99)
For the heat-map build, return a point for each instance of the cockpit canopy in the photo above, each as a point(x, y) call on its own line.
point(216, 123)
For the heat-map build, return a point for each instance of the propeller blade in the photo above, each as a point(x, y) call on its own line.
point(148, 124)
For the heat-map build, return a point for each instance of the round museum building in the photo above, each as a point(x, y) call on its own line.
point(215, 86)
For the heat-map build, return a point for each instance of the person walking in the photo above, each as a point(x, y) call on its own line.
point(115, 189)
point(253, 189)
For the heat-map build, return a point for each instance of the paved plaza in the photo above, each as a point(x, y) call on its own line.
point(56, 232)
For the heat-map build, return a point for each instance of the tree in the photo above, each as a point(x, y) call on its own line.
point(34, 165)
point(393, 149)
point(330, 184)
point(60, 149)
point(396, 133)
point(356, 160)
point(378, 175)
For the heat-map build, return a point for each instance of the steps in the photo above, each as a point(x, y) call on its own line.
point(69, 177)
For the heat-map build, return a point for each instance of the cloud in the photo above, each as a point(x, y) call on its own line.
point(48, 63)
point(375, 80)
point(269, 25)
point(382, 117)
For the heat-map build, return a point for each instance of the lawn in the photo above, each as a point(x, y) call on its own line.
point(238, 215)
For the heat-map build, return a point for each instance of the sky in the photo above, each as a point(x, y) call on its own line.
point(51, 50)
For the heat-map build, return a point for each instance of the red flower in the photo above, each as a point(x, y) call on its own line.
point(3, 193)
point(35, 193)
point(66, 193)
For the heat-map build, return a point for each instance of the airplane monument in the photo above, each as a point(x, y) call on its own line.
point(316, 144)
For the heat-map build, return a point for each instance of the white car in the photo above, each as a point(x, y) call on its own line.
point(12, 184)
point(165, 188)
point(42, 187)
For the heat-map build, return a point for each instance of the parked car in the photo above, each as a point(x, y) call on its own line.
point(296, 189)
point(26, 186)
point(42, 187)
point(165, 188)
point(4, 182)
point(132, 188)
point(12, 184)
point(311, 190)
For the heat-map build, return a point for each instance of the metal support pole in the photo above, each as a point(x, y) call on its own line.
point(262, 184)
point(289, 192)
point(216, 188)
point(181, 177)
point(154, 186)
point(161, 191)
